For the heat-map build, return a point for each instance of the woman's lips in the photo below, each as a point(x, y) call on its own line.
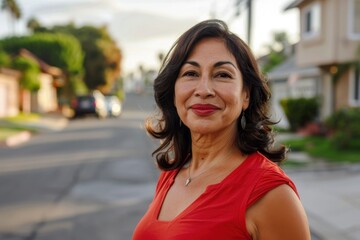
point(203, 109)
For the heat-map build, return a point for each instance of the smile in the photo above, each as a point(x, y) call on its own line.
point(204, 109)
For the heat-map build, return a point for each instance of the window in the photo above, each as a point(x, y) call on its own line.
point(354, 19)
point(355, 88)
point(311, 20)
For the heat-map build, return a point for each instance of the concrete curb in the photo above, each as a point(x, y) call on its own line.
point(16, 139)
point(44, 124)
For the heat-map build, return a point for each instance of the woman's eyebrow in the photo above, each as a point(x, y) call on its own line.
point(218, 64)
point(192, 63)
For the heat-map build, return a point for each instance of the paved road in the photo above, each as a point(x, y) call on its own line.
point(92, 180)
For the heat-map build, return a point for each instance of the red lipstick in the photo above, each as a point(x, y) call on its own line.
point(203, 109)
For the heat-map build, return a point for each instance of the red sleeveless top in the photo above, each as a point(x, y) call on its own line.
point(220, 212)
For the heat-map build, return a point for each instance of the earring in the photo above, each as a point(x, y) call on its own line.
point(180, 123)
point(243, 121)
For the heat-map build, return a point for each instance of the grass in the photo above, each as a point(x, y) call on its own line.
point(7, 132)
point(10, 126)
point(322, 147)
point(23, 117)
point(293, 163)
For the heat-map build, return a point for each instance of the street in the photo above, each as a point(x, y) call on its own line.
point(93, 180)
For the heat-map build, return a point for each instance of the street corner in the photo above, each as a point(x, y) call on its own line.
point(16, 139)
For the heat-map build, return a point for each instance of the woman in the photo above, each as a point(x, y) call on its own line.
point(220, 179)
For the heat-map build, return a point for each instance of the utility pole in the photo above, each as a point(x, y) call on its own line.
point(249, 21)
point(246, 4)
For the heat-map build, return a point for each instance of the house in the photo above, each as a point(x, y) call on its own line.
point(329, 41)
point(9, 92)
point(288, 80)
point(45, 99)
point(13, 98)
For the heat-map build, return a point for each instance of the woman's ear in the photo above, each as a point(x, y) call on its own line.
point(246, 98)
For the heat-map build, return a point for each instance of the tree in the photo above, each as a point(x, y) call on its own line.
point(102, 55)
point(29, 73)
point(60, 50)
point(278, 51)
point(14, 10)
point(33, 24)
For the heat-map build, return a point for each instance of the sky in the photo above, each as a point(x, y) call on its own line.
point(145, 28)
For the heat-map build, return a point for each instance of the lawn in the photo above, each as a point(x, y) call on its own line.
point(23, 117)
point(7, 132)
point(322, 147)
point(10, 126)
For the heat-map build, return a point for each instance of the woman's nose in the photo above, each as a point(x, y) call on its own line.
point(204, 88)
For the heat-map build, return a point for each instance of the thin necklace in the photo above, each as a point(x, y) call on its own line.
point(190, 179)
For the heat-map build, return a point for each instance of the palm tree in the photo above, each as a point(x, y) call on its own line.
point(33, 24)
point(13, 8)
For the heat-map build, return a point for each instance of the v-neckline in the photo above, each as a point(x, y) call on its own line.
point(193, 204)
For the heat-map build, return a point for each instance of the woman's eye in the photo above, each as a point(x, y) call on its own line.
point(223, 75)
point(190, 74)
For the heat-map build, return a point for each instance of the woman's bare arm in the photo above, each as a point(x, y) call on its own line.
point(279, 215)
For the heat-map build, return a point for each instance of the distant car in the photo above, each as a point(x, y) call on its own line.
point(92, 104)
point(113, 105)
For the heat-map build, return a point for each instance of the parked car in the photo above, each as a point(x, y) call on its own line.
point(113, 105)
point(92, 104)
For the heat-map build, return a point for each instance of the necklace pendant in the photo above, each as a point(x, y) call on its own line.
point(187, 182)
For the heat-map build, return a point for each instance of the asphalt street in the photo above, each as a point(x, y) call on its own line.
point(92, 180)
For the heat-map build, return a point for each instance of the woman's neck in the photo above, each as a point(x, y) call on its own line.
point(209, 148)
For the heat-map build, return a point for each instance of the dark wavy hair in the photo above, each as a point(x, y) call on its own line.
point(175, 137)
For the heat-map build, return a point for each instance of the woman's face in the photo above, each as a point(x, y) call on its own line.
point(209, 93)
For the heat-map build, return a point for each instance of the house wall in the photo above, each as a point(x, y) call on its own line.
point(307, 87)
point(279, 91)
point(326, 95)
point(333, 45)
point(342, 91)
point(9, 94)
point(45, 100)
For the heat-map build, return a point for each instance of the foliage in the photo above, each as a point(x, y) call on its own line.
point(322, 147)
point(12, 7)
point(102, 56)
point(346, 128)
point(277, 51)
point(33, 24)
point(274, 59)
point(300, 111)
point(4, 59)
point(59, 50)
point(30, 73)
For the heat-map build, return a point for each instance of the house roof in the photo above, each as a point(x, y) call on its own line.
point(294, 4)
point(46, 68)
point(10, 72)
point(289, 68)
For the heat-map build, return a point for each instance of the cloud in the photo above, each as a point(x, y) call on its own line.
point(137, 26)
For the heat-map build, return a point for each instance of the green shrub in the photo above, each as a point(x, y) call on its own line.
point(60, 50)
point(29, 73)
point(4, 59)
point(300, 111)
point(345, 128)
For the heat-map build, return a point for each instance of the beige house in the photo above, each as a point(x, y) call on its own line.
point(9, 92)
point(291, 81)
point(14, 99)
point(45, 99)
point(330, 40)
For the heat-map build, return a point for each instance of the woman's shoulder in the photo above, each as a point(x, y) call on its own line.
point(165, 177)
point(267, 175)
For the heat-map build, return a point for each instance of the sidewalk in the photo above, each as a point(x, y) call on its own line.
point(330, 194)
point(331, 199)
point(47, 122)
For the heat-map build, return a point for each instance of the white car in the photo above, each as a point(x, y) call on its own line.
point(113, 105)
